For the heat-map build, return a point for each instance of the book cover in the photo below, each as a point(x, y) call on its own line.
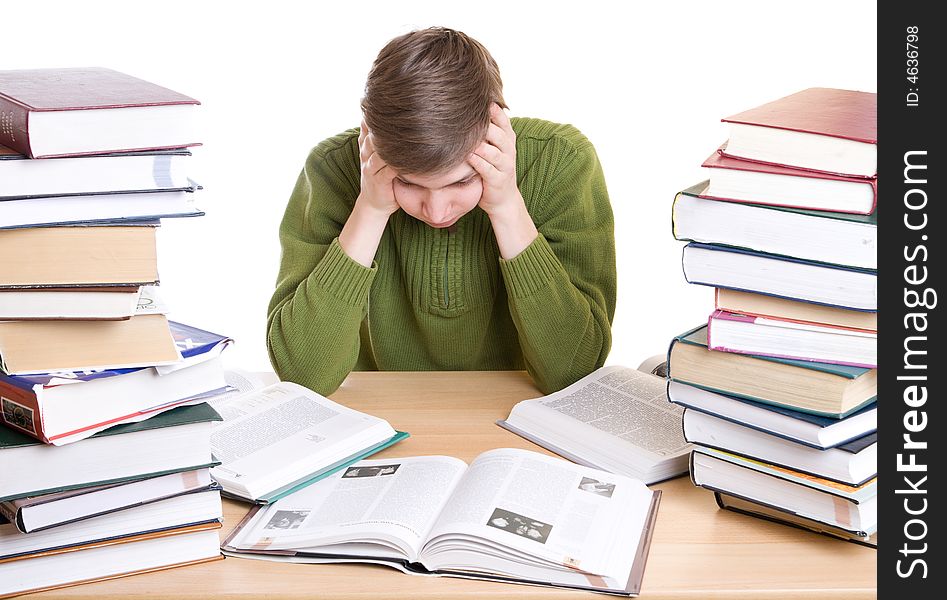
point(27, 91)
point(831, 112)
point(870, 305)
point(777, 348)
point(719, 160)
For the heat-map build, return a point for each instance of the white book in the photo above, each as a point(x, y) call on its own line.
point(188, 509)
point(511, 515)
point(835, 238)
point(21, 177)
point(60, 210)
point(617, 419)
point(853, 463)
point(36, 513)
point(732, 268)
point(284, 436)
point(847, 509)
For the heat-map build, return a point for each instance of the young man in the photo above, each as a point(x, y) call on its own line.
point(442, 235)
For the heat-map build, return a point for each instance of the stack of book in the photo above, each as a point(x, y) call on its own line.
point(106, 441)
point(779, 387)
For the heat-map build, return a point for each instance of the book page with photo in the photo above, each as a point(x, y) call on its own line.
point(511, 514)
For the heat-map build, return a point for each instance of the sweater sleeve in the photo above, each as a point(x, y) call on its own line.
point(321, 294)
point(561, 288)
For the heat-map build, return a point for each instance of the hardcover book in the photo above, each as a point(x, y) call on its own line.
point(811, 497)
point(834, 238)
point(853, 463)
point(173, 441)
point(79, 256)
point(820, 388)
point(511, 515)
point(763, 305)
point(91, 110)
point(801, 427)
point(62, 407)
point(824, 129)
point(117, 172)
point(761, 336)
point(736, 180)
point(818, 283)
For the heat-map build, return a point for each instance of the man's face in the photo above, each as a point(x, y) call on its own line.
point(439, 200)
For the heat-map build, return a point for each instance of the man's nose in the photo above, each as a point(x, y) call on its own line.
point(436, 209)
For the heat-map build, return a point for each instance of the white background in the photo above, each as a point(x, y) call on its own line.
point(647, 84)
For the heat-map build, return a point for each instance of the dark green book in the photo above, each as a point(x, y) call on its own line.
point(176, 440)
point(828, 237)
point(820, 388)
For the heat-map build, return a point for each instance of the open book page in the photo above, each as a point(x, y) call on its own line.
point(617, 419)
point(275, 436)
point(389, 503)
point(562, 515)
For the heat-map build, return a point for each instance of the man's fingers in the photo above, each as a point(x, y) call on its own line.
point(492, 155)
point(480, 164)
point(374, 164)
point(367, 148)
point(501, 139)
point(499, 116)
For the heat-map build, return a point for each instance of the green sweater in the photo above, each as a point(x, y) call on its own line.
point(443, 299)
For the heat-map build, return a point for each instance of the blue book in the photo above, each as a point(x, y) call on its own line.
point(824, 389)
point(809, 281)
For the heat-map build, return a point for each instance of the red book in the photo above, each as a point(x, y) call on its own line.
point(822, 129)
point(71, 112)
point(735, 180)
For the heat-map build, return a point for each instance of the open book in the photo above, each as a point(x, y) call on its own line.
point(617, 419)
point(512, 515)
point(275, 439)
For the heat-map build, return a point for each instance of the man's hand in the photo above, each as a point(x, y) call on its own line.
point(377, 190)
point(375, 203)
point(495, 160)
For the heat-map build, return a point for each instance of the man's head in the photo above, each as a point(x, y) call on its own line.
point(427, 104)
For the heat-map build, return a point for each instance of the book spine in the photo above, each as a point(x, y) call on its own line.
point(14, 126)
point(20, 410)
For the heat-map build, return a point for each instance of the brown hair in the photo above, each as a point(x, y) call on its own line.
point(427, 99)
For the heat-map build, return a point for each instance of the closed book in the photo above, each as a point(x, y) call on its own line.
point(853, 463)
point(172, 441)
point(823, 129)
point(834, 238)
point(91, 110)
point(117, 172)
point(38, 513)
point(762, 336)
point(110, 559)
point(801, 427)
point(785, 517)
point(86, 304)
point(783, 488)
point(179, 511)
point(78, 256)
point(807, 281)
point(764, 305)
point(735, 180)
point(99, 208)
point(60, 408)
point(29, 347)
point(820, 388)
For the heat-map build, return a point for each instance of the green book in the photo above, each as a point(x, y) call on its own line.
point(173, 441)
point(819, 388)
point(828, 237)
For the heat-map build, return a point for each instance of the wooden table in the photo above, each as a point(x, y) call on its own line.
point(698, 551)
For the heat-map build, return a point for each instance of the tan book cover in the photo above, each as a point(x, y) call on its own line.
point(72, 256)
point(761, 305)
point(45, 346)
